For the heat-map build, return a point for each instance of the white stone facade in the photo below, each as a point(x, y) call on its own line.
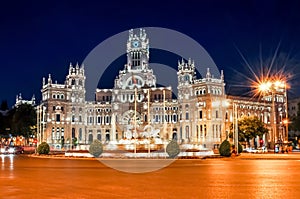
point(202, 113)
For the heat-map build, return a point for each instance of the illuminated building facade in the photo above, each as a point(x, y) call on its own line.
point(201, 114)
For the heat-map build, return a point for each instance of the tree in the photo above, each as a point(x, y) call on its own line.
point(4, 105)
point(24, 120)
point(250, 127)
point(6, 121)
point(295, 119)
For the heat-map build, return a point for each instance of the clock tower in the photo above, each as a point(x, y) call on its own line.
point(137, 72)
point(137, 51)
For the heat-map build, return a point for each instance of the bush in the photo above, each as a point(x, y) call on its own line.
point(43, 148)
point(173, 149)
point(96, 148)
point(225, 149)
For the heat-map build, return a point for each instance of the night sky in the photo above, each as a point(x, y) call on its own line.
point(42, 37)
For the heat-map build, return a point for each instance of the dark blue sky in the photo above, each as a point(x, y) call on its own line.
point(42, 37)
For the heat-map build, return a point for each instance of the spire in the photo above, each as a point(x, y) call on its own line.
point(49, 79)
point(208, 75)
point(44, 81)
point(70, 68)
point(130, 34)
point(33, 99)
point(222, 75)
point(81, 70)
point(141, 32)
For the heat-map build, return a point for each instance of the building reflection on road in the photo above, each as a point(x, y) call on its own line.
point(7, 162)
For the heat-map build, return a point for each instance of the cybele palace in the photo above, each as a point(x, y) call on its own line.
point(202, 113)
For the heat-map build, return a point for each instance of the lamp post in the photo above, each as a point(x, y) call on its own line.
point(274, 88)
point(236, 131)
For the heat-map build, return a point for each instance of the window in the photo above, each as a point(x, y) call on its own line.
point(80, 134)
point(90, 139)
point(200, 114)
point(187, 115)
point(187, 132)
point(73, 118)
point(107, 119)
point(73, 133)
point(174, 118)
point(201, 131)
point(99, 135)
point(58, 117)
point(53, 133)
point(57, 133)
point(217, 114)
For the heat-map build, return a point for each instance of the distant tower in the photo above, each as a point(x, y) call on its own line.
point(185, 75)
point(186, 72)
point(76, 81)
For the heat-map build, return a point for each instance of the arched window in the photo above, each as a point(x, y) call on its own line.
point(99, 135)
point(73, 132)
point(80, 134)
point(90, 140)
point(187, 132)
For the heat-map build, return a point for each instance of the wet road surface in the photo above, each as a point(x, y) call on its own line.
point(29, 177)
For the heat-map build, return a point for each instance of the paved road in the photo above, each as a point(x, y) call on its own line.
point(28, 177)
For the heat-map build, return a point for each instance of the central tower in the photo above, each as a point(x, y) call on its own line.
point(138, 51)
point(137, 72)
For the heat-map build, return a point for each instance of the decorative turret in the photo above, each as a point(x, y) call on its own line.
point(186, 71)
point(76, 81)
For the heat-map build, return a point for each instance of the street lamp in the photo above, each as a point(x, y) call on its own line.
point(236, 130)
point(273, 88)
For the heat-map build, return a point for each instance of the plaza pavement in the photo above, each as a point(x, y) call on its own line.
point(269, 155)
